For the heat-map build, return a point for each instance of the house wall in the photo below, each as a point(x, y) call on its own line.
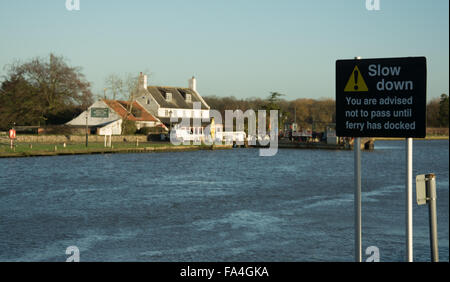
point(148, 102)
point(81, 119)
point(141, 124)
point(190, 113)
point(114, 128)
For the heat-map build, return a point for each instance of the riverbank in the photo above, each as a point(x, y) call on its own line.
point(426, 138)
point(40, 150)
point(311, 146)
point(31, 149)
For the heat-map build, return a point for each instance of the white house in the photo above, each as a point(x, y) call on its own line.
point(165, 102)
point(106, 116)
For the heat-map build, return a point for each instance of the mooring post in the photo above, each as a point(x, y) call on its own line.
point(431, 195)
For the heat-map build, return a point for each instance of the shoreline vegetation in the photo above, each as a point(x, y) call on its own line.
point(39, 149)
point(399, 139)
point(26, 149)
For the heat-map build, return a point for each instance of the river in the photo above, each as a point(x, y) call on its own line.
point(224, 205)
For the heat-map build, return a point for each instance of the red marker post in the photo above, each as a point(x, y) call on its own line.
point(12, 136)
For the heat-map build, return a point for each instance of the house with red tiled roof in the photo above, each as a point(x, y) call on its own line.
point(106, 116)
point(153, 106)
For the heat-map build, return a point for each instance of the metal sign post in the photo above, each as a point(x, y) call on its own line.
point(357, 200)
point(409, 200)
point(431, 195)
point(384, 97)
point(357, 197)
point(87, 127)
point(426, 194)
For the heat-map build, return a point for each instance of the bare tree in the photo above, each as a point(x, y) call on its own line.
point(126, 87)
point(131, 87)
point(114, 83)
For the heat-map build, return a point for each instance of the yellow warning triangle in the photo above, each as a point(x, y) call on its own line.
point(356, 82)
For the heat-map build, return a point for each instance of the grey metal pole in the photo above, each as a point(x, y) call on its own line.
point(357, 200)
point(431, 195)
point(357, 197)
point(409, 200)
point(87, 115)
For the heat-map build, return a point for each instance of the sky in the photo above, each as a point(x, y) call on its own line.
point(241, 48)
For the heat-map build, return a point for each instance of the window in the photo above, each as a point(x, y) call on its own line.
point(148, 101)
point(188, 98)
point(168, 97)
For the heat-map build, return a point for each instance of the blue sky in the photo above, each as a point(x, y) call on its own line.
point(244, 48)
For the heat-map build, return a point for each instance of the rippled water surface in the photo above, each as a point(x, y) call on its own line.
point(229, 205)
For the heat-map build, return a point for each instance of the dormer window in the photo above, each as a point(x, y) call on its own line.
point(188, 97)
point(168, 97)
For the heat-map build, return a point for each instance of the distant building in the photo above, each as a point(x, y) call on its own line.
point(165, 102)
point(106, 116)
point(153, 106)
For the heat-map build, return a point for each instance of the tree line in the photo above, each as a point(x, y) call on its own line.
point(313, 114)
point(316, 114)
point(437, 112)
point(47, 91)
point(42, 91)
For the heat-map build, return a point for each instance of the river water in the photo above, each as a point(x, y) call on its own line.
point(229, 205)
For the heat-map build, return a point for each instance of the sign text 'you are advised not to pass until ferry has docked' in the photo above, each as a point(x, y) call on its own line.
point(381, 97)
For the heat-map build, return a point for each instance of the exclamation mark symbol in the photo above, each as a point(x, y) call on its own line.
point(355, 73)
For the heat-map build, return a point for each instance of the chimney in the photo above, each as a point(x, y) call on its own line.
point(193, 84)
point(142, 81)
